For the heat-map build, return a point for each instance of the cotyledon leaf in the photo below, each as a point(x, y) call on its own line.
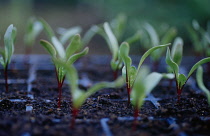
point(49, 47)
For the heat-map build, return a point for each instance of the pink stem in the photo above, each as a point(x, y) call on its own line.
point(75, 112)
point(115, 74)
point(6, 78)
point(135, 115)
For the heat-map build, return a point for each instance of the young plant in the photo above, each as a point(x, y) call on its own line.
point(151, 38)
point(7, 52)
point(143, 85)
point(200, 38)
point(57, 51)
point(78, 95)
point(113, 34)
point(181, 79)
point(130, 72)
point(199, 79)
point(33, 29)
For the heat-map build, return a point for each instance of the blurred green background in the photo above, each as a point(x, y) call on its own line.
point(85, 13)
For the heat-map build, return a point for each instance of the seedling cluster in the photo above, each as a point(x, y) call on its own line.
point(138, 81)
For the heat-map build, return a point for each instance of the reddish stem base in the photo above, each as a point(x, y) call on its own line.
point(129, 99)
point(6, 78)
point(179, 91)
point(115, 74)
point(135, 115)
point(74, 115)
point(59, 94)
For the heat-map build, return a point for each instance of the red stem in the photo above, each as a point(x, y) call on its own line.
point(129, 92)
point(179, 91)
point(135, 115)
point(60, 84)
point(128, 88)
point(115, 74)
point(6, 78)
point(75, 112)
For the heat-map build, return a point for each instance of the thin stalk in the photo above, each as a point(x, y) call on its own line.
point(135, 115)
point(6, 78)
point(128, 88)
point(75, 112)
point(115, 74)
point(60, 85)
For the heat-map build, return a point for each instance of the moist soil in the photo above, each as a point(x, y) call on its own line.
point(191, 116)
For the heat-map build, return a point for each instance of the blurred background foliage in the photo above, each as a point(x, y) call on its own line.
point(85, 13)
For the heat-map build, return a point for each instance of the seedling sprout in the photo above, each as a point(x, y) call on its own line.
point(130, 72)
point(151, 38)
point(181, 79)
point(143, 85)
point(57, 51)
point(78, 95)
point(199, 78)
point(8, 51)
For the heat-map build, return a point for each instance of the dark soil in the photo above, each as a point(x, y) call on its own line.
point(191, 115)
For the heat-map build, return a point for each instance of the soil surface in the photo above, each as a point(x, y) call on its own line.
point(30, 107)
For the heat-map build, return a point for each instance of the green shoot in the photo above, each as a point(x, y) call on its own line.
point(79, 96)
point(8, 51)
point(143, 85)
point(57, 51)
point(151, 38)
point(199, 79)
point(113, 34)
point(33, 29)
point(129, 72)
point(200, 38)
point(181, 79)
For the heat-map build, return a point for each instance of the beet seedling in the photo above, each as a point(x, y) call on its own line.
point(151, 38)
point(200, 38)
point(8, 51)
point(79, 96)
point(33, 29)
point(199, 79)
point(181, 79)
point(142, 86)
point(130, 72)
point(113, 34)
point(56, 50)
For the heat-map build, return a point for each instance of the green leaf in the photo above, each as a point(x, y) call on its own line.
point(76, 56)
point(146, 54)
point(69, 33)
point(59, 47)
point(138, 92)
point(177, 50)
point(74, 46)
point(124, 54)
point(89, 34)
point(2, 61)
point(199, 79)
point(113, 44)
point(152, 33)
point(182, 79)
point(49, 47)
point(205, 60)
point(134, 38)
point(195, 39)
point(151, 81)
point(9, 39)
point(118, 25)
point(47, 28)
point(169, 36)
point(33, 29)
point(171, 63)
